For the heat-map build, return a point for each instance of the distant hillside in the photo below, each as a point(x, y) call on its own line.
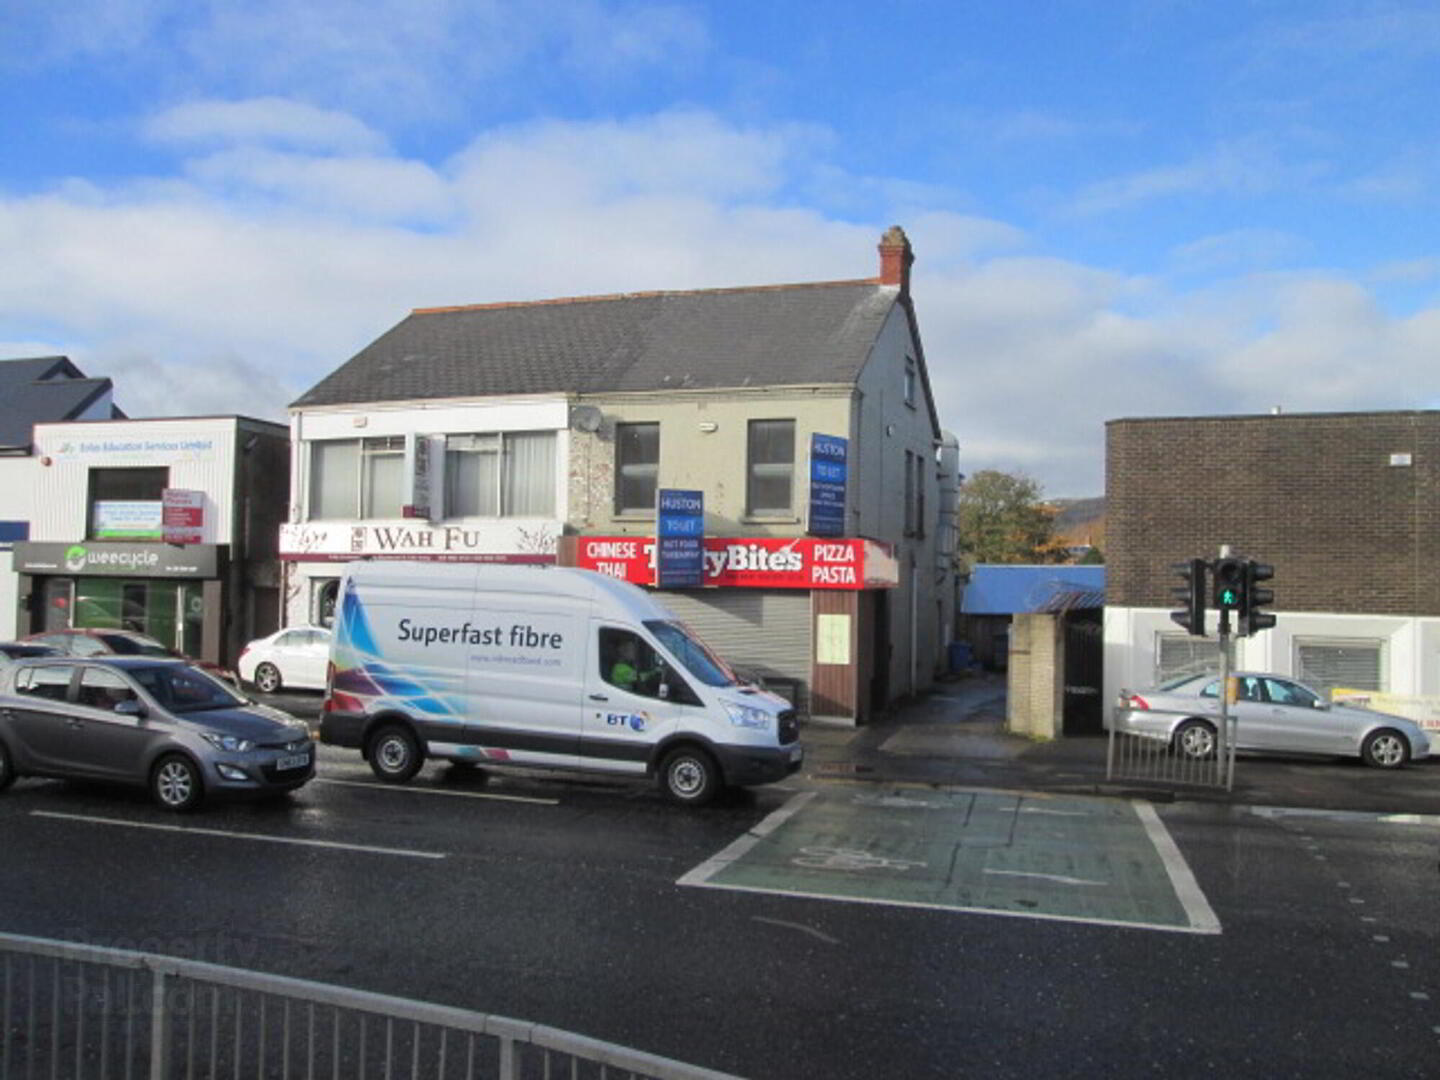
point(1075, 513)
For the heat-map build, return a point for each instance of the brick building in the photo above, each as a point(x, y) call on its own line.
point(1345, 506)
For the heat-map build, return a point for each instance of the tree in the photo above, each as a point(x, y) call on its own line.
point(1001, 519)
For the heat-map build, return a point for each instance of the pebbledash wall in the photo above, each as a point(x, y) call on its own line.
point(1345, 506)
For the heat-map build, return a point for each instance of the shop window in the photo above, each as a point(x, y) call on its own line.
point(326, 594)
point(511, 474)
point(127, 504)
point(357, 478)
point(770, 470)
point(637, 467)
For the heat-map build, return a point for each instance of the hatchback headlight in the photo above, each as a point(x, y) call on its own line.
point(748, 716)
point(227, 742)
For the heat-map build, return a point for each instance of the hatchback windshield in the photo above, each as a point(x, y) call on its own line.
point(183, 689)
point(690, 651)
point(126, 645)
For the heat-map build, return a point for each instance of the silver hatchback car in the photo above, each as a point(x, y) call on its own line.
point(1273, 714)
point(163, 724)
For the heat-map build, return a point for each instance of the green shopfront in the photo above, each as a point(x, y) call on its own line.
point(169, 592)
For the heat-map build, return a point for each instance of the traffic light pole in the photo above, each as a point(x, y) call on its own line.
point(1225, 747)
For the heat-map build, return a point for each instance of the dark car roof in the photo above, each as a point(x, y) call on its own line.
point(17, 649)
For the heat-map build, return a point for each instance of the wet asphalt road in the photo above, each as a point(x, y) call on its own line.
point(565, 910)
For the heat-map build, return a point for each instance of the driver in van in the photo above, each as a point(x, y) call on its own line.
point(626, 673)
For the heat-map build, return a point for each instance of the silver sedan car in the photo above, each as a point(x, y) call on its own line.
point(163, 724)
point(1274, 714)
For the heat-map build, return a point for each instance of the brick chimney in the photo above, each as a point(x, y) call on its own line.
point(895, 259)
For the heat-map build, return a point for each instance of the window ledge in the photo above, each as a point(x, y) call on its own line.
point(770, 519)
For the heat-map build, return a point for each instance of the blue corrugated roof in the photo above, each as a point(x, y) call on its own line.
point(1010, 590)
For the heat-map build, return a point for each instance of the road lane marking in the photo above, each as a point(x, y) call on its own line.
point(1202, 916)
point(797, 926)
point(710, 867)
point(1059, 879)
point(437, 791)
point(194, 831)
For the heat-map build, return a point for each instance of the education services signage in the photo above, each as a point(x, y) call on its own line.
point(753, 562)
point(93, 558)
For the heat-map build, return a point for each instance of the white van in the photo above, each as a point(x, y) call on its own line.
point(543, 667)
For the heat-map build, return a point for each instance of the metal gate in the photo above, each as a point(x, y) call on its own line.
point(1084, 675)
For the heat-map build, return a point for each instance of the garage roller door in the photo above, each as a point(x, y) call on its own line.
point(764, 633)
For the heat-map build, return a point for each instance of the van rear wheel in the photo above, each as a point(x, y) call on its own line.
point(395, 755)
point(689, 776)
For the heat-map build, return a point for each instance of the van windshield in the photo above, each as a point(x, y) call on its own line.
point(693, 653)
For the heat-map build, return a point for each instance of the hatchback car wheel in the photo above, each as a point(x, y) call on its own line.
point(1385, 749)
point(175, 783)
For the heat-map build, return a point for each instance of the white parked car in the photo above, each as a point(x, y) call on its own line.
point(292, 659)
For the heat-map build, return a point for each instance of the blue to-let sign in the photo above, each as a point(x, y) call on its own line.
point(829, 472)
point(680, 539)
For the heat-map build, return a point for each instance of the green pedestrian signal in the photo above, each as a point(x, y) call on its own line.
point(1229, 576)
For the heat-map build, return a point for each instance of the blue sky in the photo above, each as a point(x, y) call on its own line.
point(1118, 208)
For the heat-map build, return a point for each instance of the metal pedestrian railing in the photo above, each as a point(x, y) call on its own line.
point(1148, 758)
point(82, 1011)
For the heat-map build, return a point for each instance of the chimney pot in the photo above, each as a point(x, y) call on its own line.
point(895, 259)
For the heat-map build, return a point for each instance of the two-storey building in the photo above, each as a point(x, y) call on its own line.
point(166, 526)
point(544, 431)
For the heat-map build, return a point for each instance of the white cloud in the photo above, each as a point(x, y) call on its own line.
point(235, 284)
point(268, 120)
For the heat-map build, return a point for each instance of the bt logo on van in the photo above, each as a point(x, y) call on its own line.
point(631, 720)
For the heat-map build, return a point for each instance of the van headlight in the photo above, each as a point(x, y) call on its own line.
point(748, 716)
point(227, 742)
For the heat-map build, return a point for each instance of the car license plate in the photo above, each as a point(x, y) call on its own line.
point(292, 761)
point(797, 753)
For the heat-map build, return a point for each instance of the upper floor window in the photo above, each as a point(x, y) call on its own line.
point(357, 478)
point(770, 468)
point(127, 504)
point(507, 474)
point(637, 467)
point(912, 380)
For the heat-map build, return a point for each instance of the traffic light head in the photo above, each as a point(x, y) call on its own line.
point(1230, 584)
point(1191, 595)
point(1252, 619)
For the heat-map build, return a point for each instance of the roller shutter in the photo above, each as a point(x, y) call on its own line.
point(1327, 663)
point(764, 633)
point(1181, 654)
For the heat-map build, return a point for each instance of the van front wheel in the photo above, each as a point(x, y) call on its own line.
point(394, 754)
point(689, 776)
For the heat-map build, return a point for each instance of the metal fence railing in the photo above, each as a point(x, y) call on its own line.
point(82, 1011)
point(1148, 758)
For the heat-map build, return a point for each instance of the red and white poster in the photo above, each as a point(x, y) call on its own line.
point(753, 562)
point(182, 518)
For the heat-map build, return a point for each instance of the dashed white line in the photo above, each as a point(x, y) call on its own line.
point(437, 791)
point(191, 830)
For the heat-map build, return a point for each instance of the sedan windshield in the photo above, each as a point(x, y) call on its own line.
point(183, 689)
point(693, 653)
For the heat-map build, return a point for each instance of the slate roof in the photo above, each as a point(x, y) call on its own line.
point(781, 335)
point(41, 389)
point(1011, 590)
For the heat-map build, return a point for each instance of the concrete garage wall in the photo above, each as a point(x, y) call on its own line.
point(1036, 699)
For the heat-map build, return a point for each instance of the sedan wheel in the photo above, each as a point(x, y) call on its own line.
point(175, 783)
point(1385, 749)
point(1195, 739)
point(267, 678)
